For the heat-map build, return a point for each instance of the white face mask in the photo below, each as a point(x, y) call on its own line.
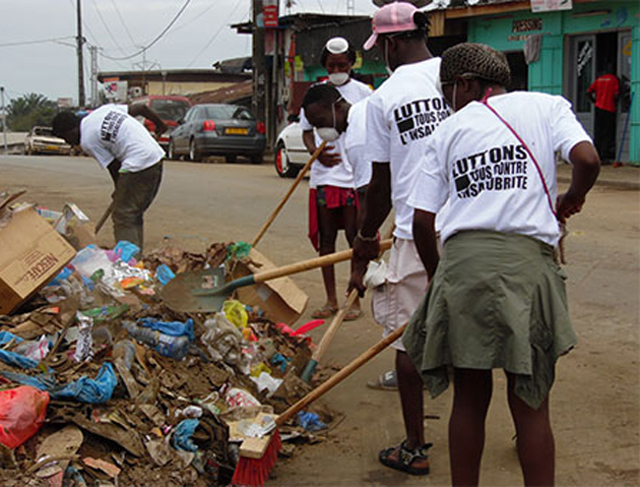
point(338, 79)
point(330, 134)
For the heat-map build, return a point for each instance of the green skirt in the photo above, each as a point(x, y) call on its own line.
point(497, 301)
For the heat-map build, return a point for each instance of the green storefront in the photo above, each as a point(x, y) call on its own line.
point(576, 46)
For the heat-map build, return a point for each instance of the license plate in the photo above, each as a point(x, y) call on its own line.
point(52, 147)
point(236, 131)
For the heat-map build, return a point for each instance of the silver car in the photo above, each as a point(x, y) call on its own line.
point(220, 130)
point(40, 140)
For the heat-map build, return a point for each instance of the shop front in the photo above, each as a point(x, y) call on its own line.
point(567, 50)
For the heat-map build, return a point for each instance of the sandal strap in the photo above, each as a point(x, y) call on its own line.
point(407, 456)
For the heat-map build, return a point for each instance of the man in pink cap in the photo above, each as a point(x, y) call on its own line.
point(401, 115)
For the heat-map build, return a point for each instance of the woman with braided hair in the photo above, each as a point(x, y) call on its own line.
point(497, 298)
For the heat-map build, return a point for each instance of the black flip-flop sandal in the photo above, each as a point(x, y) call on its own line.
point(406, 458)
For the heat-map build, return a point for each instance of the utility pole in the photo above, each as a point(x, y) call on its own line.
point(259, 75)
point(80, 41)
point(4, 119)
point(351, 7)
point(93, 50)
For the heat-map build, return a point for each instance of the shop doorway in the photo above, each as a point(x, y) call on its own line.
point(519, 71)
point(591, 55)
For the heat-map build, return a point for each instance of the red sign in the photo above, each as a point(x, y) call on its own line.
point(271, 16)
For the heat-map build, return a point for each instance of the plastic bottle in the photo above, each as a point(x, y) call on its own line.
point(169, 346)
point(126, 350)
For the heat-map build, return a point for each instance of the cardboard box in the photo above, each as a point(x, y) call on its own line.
point(281, 299)
point(31, 254)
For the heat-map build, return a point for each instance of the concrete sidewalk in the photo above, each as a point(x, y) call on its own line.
point(625, 177)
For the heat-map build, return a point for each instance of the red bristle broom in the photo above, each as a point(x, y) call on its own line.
point(258, 454)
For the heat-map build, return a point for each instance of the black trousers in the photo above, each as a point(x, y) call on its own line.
point(605, 134)
point(133, 195)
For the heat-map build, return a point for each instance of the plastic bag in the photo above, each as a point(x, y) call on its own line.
point(173, 328)
point(223, 341)
point(22, 412)
point(310, 421)
point(125, 251)
point(236, 313)
point(181, 437)
point(35, 350)
point(92, 391)
point(236, 397)
point(164, 274)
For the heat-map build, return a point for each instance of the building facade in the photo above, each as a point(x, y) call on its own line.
point(567, 51)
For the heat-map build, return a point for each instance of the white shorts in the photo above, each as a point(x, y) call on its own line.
point(394, 302)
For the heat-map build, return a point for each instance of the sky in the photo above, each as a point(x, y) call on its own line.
point(200, 37)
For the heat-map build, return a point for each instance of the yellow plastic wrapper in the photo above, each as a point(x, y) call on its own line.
point(236, 313)
point(257, 369)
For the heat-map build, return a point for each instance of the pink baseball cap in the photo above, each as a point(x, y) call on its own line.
point(395, 17)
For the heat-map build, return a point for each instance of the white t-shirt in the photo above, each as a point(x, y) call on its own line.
point(478, 166)
point(109, 133)
point(340, 175)
point(401, 116)
point(355, 143)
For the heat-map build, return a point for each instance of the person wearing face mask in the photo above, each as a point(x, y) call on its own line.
point(497, 299)
point(401, 116)
point(332, 198)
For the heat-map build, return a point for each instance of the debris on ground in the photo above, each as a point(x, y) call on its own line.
point(101, 384)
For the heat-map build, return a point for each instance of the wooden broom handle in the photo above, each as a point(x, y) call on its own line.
point(293, 187)
point(340, 376)
point(339, 318)
point(104, 217)
point(335, 324)
point(314, 263)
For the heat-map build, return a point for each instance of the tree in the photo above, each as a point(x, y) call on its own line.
point(29, 110)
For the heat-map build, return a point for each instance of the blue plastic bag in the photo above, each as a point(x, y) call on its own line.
point(6, 337)
point(310, 421)
point(126, 251)
point(173, 328)
point(92, 391)
point(181, 437)
point(164, 274)
point(17, 360)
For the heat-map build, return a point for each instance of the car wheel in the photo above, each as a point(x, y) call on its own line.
point(194, 155)
point(230, 159)
point(281, 161)
point(171, 152)
point(257, 158)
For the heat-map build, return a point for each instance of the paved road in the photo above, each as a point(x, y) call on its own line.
point(595, 402)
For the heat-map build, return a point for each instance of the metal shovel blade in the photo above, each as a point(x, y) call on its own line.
point(178, 294)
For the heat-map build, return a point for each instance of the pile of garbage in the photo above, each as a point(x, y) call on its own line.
point(101, 384)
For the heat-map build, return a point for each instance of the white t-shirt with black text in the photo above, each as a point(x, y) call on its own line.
point(355, 143)
point(401, 116)
point(109, 133)
point(340, 175)
point(476, 165)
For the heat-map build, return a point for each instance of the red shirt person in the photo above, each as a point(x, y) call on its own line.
point(606, 90)
point(604, 93)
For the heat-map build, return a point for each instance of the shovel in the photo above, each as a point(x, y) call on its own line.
point(203, 291)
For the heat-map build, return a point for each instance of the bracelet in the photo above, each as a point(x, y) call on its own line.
point(366, 239)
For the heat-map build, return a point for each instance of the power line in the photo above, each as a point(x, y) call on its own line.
point(39, 41)
point(215, 35)
point(106, 26)
point(123, 22)
point(173, 21)
point(197, 17)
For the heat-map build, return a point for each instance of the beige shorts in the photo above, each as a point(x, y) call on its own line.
point(394, 302)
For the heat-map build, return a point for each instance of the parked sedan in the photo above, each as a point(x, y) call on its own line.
point(291, 154)
point(41, 140)
point(218, 129)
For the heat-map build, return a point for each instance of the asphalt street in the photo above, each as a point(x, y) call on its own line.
point(596, 398)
